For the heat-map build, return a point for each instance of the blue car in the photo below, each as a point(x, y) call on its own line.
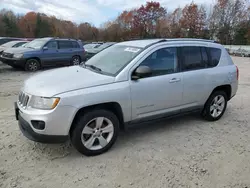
point(44, 52)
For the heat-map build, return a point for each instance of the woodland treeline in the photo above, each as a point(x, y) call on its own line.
point(227, 21)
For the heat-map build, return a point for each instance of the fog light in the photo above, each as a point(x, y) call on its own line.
point(38, 124)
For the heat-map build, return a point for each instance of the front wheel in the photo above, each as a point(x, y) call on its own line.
point(95, 132)
point(215, 106)
point(32, 65)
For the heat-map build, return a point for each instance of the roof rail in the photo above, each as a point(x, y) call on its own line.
point(190, 39)
point(180, 39)
point(160, 40)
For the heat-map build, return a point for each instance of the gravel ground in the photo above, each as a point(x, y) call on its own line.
point(182, 152)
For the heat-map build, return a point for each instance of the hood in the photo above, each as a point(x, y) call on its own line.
point(52, 82)
point(20, 50)
point(2, 48)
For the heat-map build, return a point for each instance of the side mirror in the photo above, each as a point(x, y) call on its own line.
point(45, 48)
point(141, 72)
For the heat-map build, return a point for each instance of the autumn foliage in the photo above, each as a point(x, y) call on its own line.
point(228, 21)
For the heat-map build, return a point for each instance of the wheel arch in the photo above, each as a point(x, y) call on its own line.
point(226, 88)
point(111, 106)
point(36, 58)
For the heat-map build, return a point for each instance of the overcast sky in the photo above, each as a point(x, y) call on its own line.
point(93, 11)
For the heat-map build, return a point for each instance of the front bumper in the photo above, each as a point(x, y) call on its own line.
point(32, 135)
point(57, 124)
point(13, 61)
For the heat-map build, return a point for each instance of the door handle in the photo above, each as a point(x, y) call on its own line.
point(173, 80)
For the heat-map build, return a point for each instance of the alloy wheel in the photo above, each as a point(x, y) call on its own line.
point(76, 61)
point(32, 66)
point(217, 106)
point(97, 133)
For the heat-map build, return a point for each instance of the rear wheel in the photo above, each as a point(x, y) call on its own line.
point(76, 60)
point(95, 132)
point(215, 106)
point(32, 65)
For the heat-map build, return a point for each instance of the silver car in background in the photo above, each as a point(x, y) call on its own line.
point(127, 83)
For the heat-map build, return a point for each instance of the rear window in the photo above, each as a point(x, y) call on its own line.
point(65, 44)
point(75, 44)
point(204, 55)
point(215, 54)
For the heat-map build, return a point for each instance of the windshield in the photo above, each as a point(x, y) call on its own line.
point(89, 46)
point(36, 44)
point(113, 59)
point(24, 45)
point(104, 46)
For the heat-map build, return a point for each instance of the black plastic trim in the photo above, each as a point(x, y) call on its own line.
point(30, 134)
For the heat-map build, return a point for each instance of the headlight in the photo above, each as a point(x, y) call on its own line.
point(18, 55)
point(43, 102)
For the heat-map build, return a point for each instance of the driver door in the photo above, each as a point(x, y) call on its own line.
point(160, 93)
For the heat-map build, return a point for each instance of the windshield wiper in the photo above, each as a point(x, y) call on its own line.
point(93, 67)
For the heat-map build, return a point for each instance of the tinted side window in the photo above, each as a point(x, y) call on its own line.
point(162, 61)
point(191, 58)
point(65, 44)
point(52, 45)
point(215, 54)
point(204, 55)
point(75, 44)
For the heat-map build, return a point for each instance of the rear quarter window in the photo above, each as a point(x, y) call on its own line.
point(75, 44)
point(65, 44)
point(215, 54)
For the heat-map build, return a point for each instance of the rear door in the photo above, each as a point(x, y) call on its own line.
point(77, 49)
point(66, 51)
point(50, 55)
point(194, 62)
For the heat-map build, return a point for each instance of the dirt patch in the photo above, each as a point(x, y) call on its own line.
point(182, 152)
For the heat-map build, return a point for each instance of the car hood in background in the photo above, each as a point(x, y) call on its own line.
point(52, 82)
point(20, 50)
point(2, 48)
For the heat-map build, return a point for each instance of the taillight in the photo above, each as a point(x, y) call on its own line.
point(237, 72)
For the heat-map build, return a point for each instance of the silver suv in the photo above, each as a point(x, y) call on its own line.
point(127, 83)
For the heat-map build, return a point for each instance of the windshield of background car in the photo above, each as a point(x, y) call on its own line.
point(103, 46)
point(89, 46)
point(36, 44)
point(113, 59)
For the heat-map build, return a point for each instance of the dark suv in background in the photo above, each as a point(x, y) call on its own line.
point(44, 52)
point(4, 40)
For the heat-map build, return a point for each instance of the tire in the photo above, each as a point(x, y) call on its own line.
point(76, 60)
point(214, 111)
point(86, 137)
point(32, 65)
